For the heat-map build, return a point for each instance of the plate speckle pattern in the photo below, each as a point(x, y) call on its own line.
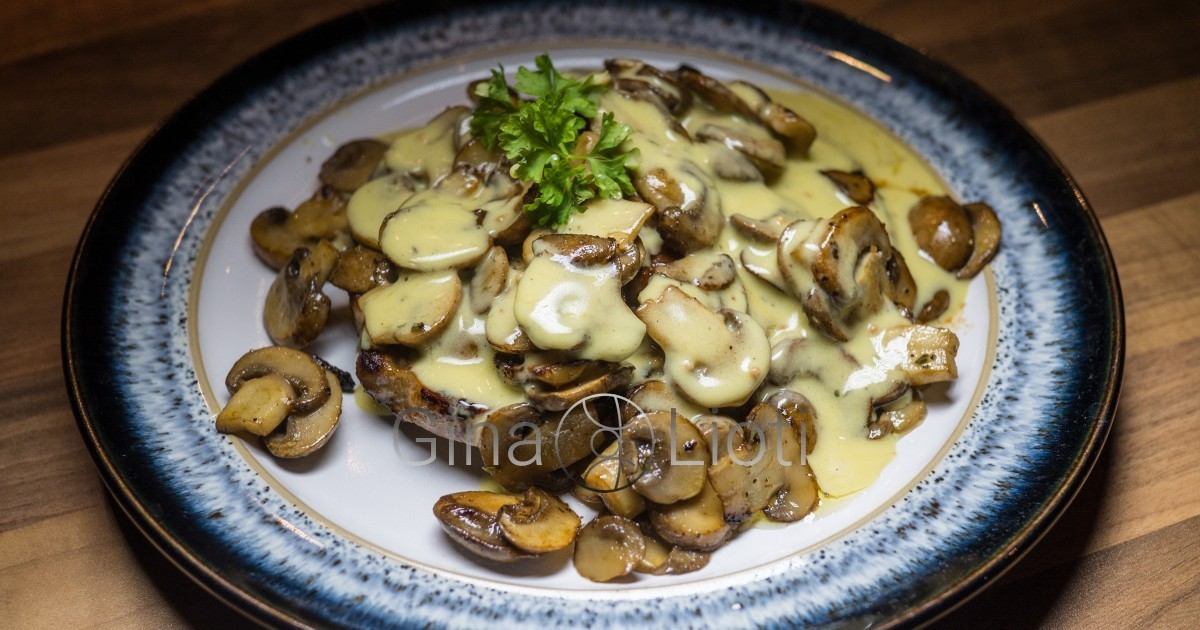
point(1035, 434)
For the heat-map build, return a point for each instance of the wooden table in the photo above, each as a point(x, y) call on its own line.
point(1112, 87)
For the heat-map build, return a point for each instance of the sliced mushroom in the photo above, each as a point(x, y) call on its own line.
point(569, 298)
point(613, 377)
point(471, 519)
point(630, 260)
point(603, 476)
point(898, 417)
point(608, 547)
point(934, 308)
point(815, 357)
point(303, 434)
point(798, 496)
point(923, 354)
point(491, 274)
point(708, 276)
point(710, 272)
point(434, 230)
point(767, 153)
point(717, 359)
point(353, 164)
point(427, 153)
point(688, 205)
point(501, 328)
point(374, 202)
point(560, 373)
point(730, 165)
point(903, 289)
point(747, 471)
point(697, 523)
point(985, 226)
point(664, 455)
point(308, 378)
point(765, 230)
point(716, 93)
point(850, 234)
point(799, 414)
point(360, 269)
point(412, 310)
point(261, 404)
point(855, 185)
point(796, 132)
point(943, 230)
point(639, 78)
point(540, 523)
point(661, 559)
point(296, 310)
point(618, 219)
point(277, 233)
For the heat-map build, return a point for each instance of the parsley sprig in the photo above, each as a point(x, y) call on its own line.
point(540, 138)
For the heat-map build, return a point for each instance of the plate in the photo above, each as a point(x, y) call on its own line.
point(163, 295)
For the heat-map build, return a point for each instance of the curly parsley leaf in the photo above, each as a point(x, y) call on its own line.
point(540, 138)
point(495, 105)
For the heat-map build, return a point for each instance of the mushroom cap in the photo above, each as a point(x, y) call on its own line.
point(943, 230)
point(308, 378)
point(540, 523)
point(664, 455)
point(303, 434)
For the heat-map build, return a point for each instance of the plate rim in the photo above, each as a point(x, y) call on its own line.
point(260, 609)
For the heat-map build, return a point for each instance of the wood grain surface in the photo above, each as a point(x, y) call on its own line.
point(1112, 87)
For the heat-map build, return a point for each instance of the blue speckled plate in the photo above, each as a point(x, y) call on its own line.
point(264, 538)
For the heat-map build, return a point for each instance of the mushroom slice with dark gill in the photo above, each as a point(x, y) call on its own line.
point(471, 519)
point(799, 494)
point(540, 523)
point(296, 309)
point(303, 434)
point(608, 547)
point(689, 207)
point(644, 81)
point(600, 378)
point(298, 368)
point(664, 455)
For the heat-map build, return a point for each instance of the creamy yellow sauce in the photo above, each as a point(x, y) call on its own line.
point(566, 307)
